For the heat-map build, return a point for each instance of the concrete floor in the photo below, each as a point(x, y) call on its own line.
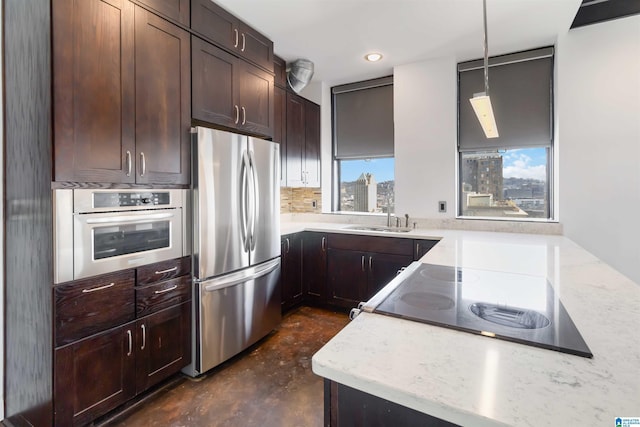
point(270, 384)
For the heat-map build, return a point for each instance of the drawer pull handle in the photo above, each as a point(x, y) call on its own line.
point(362, 262)
point(130, 338)
point(166, 290)
point(144, 336)
point(370, 263)
point(99, 288)
point(168, 270)
point(323, 244)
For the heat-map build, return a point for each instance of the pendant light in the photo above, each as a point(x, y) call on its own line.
point(481, 102)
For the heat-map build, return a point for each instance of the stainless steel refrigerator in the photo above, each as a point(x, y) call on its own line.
point(236, 244)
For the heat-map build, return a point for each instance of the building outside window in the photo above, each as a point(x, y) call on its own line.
point(508, 177)
point(363, 146)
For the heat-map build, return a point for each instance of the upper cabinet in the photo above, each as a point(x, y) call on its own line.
point(121, 94)
point(222, 28)
point(230, 92)
point(302, 158)
point(176, 10)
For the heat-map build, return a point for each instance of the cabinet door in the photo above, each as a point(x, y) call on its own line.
point(177, 10)
point(312, 144)
point(215, 92)
point(280, 71)
point(215, 23)
point(280, 130)
point(163, 108)
point(314, 265)
point(255, 88)
point(292, 291)
point(382, 269)
point(255, 47)
point(421, 247)
point(162, 345)
point(347, 271)
point(93, 376)
point(295, 140)
point(93, 87)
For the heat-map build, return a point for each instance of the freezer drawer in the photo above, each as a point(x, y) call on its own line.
point(233, 312)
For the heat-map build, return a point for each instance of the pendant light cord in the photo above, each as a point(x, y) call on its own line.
point(486, 50)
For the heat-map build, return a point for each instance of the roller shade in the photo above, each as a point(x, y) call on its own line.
point(363, 119)
point(521, 90)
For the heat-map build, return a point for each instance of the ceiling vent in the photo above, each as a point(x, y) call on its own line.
point(299, 73)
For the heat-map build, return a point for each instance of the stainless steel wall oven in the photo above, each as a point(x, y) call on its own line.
point(103, 230)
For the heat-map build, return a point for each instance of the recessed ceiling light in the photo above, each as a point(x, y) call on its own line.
point(373, 57)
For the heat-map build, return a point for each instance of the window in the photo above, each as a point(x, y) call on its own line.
point(509, 176)
point(363, 146)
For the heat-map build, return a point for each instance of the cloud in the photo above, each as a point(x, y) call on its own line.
point(520, 167)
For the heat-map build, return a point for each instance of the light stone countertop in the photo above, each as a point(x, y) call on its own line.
point(474, 380)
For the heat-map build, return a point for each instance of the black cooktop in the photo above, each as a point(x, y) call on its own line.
point(513, 307)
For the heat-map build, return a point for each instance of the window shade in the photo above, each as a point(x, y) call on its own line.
point(363, 119)
point(521, 91)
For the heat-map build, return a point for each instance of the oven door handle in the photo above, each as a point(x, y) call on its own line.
point(129, 218)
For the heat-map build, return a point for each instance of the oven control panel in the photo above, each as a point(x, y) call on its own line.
point(131, 199)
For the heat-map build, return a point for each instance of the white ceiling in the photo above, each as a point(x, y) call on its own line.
point(336, 34)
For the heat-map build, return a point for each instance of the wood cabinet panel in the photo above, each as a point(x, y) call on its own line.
point(93, 90)
point(162, 345)
point(161, 295)
point(92, 376)
point(388, 245)
point(295, 140)
point(163, 108)
point(312, 145)
point(92, 305)
point(291, 270)
point(314, 265)
point(280, 130)
point(280, 71)
point(347, 271)
point(163, 270)
point(382, 269)
point(255, 88)
point(225, 30)
point(177, 10)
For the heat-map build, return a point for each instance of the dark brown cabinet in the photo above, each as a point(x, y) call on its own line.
point(421, 247)
point(230, 92)
point(115, 340)
point(359, 266)
point(280, 71)
point(280, 130)
point(120, 95)
point(314, 266)
point(225, 30)
point(302, 142)
point(176, 10)
point(94, 375)
point(291, 270)
point(163, 110)
point(163, 345)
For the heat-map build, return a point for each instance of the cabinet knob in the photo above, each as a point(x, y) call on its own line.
point(362, 262)
point(244, 43)
point(144, 337)
point(235, 44)
point(244, 116)
point(143, 162)
point(130, 339)
point(235, 107)
point(128, 163)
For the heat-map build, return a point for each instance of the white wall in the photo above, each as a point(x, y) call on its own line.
point(424, 103)
point(598, 84)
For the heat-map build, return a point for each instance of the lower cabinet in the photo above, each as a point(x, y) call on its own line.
point(314, 266)
point(291, 270)
point(116, 336)
point(356, 276)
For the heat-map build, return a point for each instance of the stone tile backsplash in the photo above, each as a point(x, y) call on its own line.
point(300, 200)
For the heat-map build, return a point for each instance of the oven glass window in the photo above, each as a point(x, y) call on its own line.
point(128, 239)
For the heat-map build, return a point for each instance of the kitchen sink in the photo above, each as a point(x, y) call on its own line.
point(379, 228)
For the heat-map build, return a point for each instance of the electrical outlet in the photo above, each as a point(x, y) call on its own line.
point(314, 203)
point(442, 206)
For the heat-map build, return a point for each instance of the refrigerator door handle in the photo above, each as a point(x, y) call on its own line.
point(241, 276)
point(256, 200)
point(244, 214)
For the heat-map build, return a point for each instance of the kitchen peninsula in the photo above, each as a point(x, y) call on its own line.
point(474, 380)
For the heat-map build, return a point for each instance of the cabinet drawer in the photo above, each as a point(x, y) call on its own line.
point(384, 245)
point(87, 306)
point(164, 270)
point(158, 296)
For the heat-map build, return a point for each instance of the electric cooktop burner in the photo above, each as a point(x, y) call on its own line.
point(513, 307)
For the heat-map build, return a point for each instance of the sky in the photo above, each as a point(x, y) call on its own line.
point(520, 163)
point(525, 163)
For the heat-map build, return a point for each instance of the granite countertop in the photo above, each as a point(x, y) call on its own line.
point(475, 380)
